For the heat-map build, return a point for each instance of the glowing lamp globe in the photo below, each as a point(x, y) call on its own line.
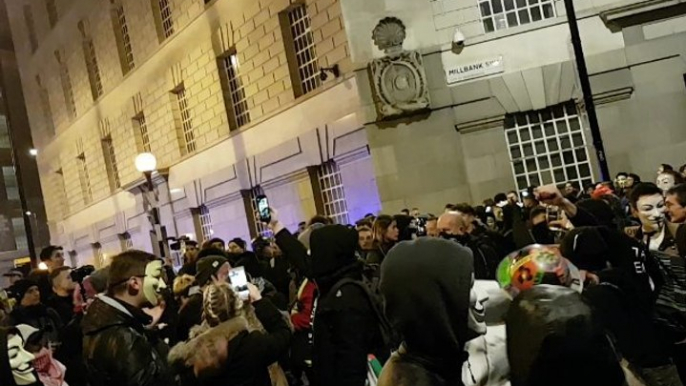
point(146, 163)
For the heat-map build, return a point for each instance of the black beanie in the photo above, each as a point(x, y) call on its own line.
point(208, 267)
point(20, 287)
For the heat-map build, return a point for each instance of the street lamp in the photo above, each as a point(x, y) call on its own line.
point(33, 152)
point(146, 163)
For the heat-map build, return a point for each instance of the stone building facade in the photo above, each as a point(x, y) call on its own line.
point(228, 95)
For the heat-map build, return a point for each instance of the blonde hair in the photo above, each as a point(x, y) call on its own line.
point(182, 284)
point(220, 303)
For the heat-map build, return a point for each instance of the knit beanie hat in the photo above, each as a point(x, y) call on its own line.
point(21, 287)
point(208, 267)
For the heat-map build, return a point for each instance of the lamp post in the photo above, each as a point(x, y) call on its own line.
point(146, 163)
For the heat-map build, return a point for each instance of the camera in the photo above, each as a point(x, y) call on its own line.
point(81, 273)
point(458, 41)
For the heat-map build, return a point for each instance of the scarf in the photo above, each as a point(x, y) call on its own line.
point(50, 371)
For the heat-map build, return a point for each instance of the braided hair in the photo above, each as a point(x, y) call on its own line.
point(220, 303)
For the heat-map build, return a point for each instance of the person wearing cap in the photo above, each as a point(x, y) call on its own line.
point(212, 267)
point(13, 275)
point(117, 348)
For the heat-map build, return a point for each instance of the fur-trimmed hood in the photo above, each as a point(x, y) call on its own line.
point(207, 350)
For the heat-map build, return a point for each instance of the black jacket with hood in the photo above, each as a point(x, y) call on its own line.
point(248, 353)
point(118, 351)
point(426, 286)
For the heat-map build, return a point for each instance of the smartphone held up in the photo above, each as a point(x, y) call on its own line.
point(263, 209)
point(239, 282)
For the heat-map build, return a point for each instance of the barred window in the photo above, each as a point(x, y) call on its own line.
point(30, 27)
point(111, 163)
point(302, 57)
point(501, 14)
point(548, 146)
point(333, 193)
point(142, 132)
point(68, 91)
point(186, 122)
point(84, 179)
point(4, 133)
point(205, 223)
point(121, 32)
point(163, 18)
point(234, 94)
point(10, 180)
point(92, 67)
point(53, 16)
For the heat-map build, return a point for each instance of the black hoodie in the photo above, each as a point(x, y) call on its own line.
point(426, 285)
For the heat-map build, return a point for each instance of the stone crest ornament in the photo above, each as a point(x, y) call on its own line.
point(389, 35)
point(398, 80)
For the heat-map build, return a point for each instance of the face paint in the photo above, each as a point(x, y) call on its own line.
point(665, 182)
point(20, 361)
point(476, 315)
point(153, 283)
point(651, 212)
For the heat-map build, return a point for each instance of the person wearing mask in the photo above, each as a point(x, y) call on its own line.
point(212, 267)
point(668, 179)
point(31, 311)
point(453, 226)
point(53, 257)
point(50, 371)
point(553, 338)
point(435, 316)
point(16, 364)
point(385, 236)
point(648, 205)
point(190, 258)
point(117, 350)
point(226, 349)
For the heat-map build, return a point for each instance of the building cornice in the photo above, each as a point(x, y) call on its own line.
point(635, 12)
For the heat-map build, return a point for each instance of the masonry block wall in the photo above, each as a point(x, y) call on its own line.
point(188, 57)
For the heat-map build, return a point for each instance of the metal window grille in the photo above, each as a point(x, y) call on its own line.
point(93, 68)
point(166, 17)
point(30, 27)
point(19, 233)
point(501, 14)
point(84, 179)
point(4, 133)
point(205, 223)
point(53, 16)
point(236, 101)
point(125, 38)
point(260, 228)
point(111, 163)
point(142, 132)
point(10, 180)
point(186, 121)
point(68, 91)
point(333, 193)
point(303, 47)
point(548, 146)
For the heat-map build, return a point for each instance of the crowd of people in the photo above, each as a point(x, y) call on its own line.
point(547, 286)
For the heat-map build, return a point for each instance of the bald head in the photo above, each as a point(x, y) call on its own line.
point(452, 223)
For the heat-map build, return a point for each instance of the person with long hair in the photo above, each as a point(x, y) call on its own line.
point(386, 234)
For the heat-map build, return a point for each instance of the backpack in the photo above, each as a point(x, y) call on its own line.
point(370, 286)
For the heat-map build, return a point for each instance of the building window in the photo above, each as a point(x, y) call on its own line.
point(10, 180)
point(301, 54)
point(205, 222)
point(333, 193)
point(53, 16)
point(141, 127)
point(111, 162)
point(45, 107)
point(121, 33)
point(84, 179)
point(234, 94)
point(19, 232)
point(30, 27)
point(261, 229)
point(497, 15)
point(548, 146)
point(163, 18)
point(92, 67)
point(4, 133)
point(186, 123)
point(67, 89)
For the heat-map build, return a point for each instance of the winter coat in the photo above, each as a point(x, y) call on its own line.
point(232, 353)
point(118, 351)
point(190, 315)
